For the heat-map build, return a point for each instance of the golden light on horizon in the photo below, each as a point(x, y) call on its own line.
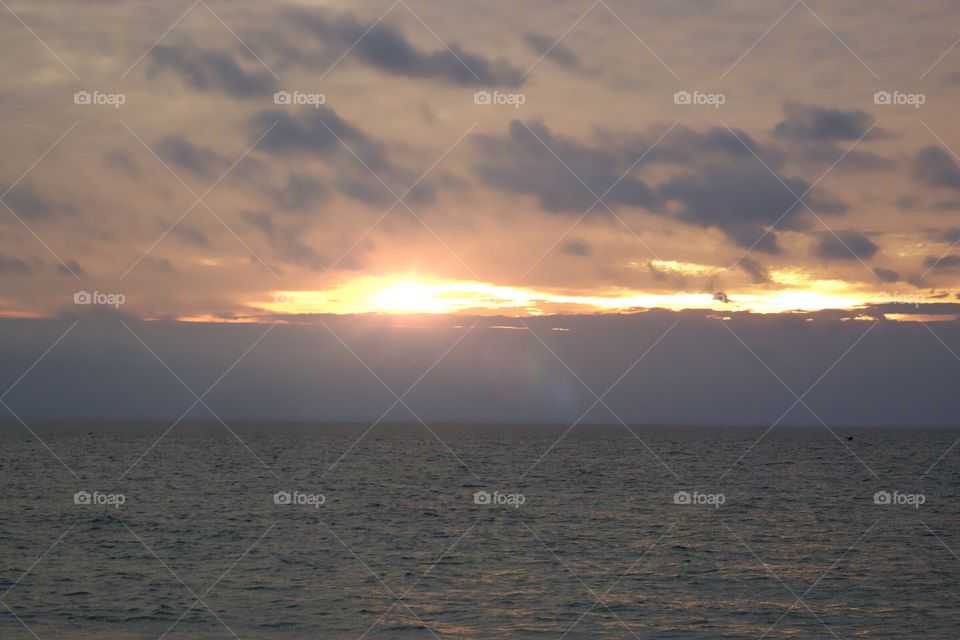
point(415, 294)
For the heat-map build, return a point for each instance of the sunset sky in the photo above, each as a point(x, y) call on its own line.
point(813, 171)
point(500, 203)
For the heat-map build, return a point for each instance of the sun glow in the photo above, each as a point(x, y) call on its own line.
point(412, 294)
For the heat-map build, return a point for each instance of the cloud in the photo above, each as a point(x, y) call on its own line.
point(287, 242)
point(27, 203)
point(181, 152)
point(70, 268)
point(549, 48)
point(716, 181)
point(828, 154)
point(935, 167)
point(946, 205)
point(911, 203)
point(886, 275)
point(523, 162)
point(122, 161)
point(214, 71)
point(907, 203)
point(813, 123)
point(386, 49)
point(946, 236)
point(576, 248)
point(189, 235)
point(944, 263)
point(317, 132)
point(744, 201)
point(161, 265)
point(353, 155)
point(10, 265)
point(300, 192)
point(846, 244)
point(813, 133)
point(261, 221)
point(757, 272)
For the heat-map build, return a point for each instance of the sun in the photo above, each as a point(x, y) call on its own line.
point(410, 296)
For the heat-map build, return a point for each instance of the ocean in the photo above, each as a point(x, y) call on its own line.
point(478, 532)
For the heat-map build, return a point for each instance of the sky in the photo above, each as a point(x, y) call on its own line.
point(579, 176)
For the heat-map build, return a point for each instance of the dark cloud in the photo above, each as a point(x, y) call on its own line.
point(576, 248)
point(261, 221)
point(286, 242)
point(523, 162)
point(347, 150)
point(911, 203)
point(935, 167)
point(813, 134)
point(317, 132)
point(70, 268)
point(846, 244)
point(855, 160)
point(744, 201)
point(27, 203)
point(386, 49)
point(161, 265)
point(944, 263)
point(549, 48)
point(300, 192)
point(716, 181)
point(181, 152)
point(907, 203)
point(684, 146)
point(122, 161)
point(189, 235)
point(813, 123)
point(9, 265)
point(215, 71)
point(886, 275)
point(757, 272)
point(946, 236)
point(947, 205)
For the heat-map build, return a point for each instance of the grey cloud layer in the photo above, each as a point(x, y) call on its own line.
point(386, 49)
point(217, 71)
point(716, 180)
